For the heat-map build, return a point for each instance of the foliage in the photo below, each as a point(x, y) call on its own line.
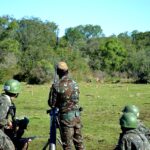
point(141, 40)
point(37, 41)
point(41, 73)
point(139, 66)
point(29, 47)
point(35, 32)
point(8, 27)
point(82, 33)
point(9, 48)
point(105, 54)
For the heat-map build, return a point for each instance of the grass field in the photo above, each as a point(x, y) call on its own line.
point(102, 105)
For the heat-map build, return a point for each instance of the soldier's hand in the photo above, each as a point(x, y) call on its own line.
point(9, 125)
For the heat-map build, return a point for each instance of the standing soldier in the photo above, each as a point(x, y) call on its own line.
point(64, 95)
point(141, 127)
point(14, 128)
point(131, 138)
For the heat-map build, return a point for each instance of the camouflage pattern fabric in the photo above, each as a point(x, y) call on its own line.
point(133, 140)
point(65, 96)
point(71, 134)
point(5, 142)
point(143, 129)
point(5, 103)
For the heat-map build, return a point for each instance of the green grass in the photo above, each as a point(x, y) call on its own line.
point(102, 105)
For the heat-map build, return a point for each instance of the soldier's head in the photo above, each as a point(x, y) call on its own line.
point(62, 69)
point(12, 88)
point(128, 121)
point(131, 108)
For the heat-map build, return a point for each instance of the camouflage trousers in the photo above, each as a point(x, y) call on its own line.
point(71, 134)
point(5, 142)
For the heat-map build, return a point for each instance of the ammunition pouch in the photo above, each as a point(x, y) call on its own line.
point(70, 115)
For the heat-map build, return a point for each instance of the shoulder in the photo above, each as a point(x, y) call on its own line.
point(5, 99)
point(132, 137)
point(67, 80)
point(142, 128)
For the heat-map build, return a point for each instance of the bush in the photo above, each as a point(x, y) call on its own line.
point(139, 66)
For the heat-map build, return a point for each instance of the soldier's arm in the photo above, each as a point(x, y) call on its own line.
point(142, 128)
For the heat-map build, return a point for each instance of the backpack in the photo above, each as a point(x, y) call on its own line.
point(5, 103)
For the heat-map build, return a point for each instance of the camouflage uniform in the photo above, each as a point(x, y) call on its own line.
point(65, 96)
point(133, 140)
point(5, 142)
point(13, 127)
point(143, 129)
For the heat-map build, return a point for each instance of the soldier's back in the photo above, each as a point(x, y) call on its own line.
point(5, 142)
point(133, 139)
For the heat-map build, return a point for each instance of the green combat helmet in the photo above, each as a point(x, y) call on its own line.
point(12, 86)
point(128, 120)
point(131, 108)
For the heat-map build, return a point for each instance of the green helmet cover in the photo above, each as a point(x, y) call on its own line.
point(131, 108)
point(12, 86)
point(128, 120)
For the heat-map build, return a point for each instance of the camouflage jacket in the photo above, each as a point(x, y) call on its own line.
point(5, 142)
point(5, 103)
point(65, 95)
point(145, 130)
point(133, 140)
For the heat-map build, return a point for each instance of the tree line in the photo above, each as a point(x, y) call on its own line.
point(30, 47)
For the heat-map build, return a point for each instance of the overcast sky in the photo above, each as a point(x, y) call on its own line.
point(114, 16)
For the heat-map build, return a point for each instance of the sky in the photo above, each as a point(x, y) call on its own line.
point(113, 16)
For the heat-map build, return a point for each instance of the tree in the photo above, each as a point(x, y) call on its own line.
point(35, 32)
point(105, 54)
point(92, 31)
point(73, 35)
point(37, 40)
point(139, 65)
point(9, 47)
point(141, 40)
point(82, 33)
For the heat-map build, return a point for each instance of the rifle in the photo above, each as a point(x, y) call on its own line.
point(54, 123)
point(31, 138)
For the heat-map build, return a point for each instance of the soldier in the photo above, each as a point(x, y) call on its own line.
point(7, 112)
point(5, 141)
point(131, 138)
point(141, 127)
point(65, 95)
